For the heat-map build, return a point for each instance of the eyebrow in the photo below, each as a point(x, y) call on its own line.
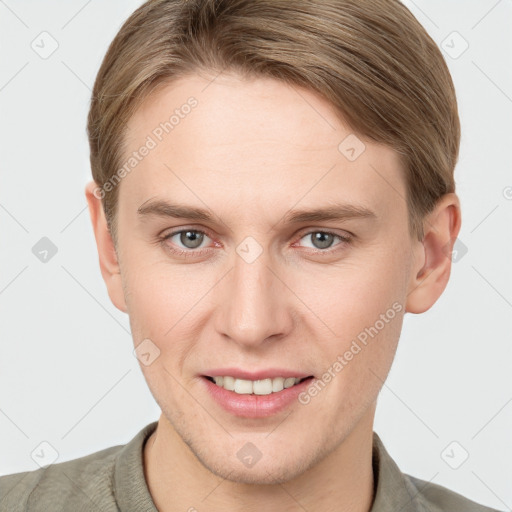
point(162, 208)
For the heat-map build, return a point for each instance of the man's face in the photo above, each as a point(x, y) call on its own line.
point(254, 291)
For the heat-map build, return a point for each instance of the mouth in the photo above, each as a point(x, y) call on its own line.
point(260, 394)
point(267, 386)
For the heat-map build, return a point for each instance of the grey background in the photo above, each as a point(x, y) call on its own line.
point(68, 376)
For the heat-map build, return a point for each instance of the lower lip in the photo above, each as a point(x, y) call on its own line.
point(255, 406)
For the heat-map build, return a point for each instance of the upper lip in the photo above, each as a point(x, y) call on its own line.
point(268, 373)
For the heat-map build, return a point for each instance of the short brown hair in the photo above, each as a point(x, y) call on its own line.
point(371, 59)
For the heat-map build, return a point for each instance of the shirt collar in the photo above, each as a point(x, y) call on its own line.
point(130, 487)
point(393, 489)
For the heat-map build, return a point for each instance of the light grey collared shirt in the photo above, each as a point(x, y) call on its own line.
point(112, 480)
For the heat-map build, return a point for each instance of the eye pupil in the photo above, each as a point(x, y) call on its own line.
point(194, 236)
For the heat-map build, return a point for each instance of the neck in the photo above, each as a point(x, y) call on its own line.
point(343, 481)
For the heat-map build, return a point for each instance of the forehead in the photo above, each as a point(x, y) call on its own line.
point(254, 143)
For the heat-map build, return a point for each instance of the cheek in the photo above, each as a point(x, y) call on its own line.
point(165, 304)
point(347, 297)
point(151, 308)
point(356, 362)
point(360, 308)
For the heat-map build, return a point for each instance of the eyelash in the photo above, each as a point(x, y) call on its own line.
point(345, 240)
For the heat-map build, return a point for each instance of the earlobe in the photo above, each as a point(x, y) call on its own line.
point(108, 259)
point(431, 274)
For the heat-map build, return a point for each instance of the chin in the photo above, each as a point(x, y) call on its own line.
point(263, 473)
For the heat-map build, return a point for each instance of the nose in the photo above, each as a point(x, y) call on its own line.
point(254, 303)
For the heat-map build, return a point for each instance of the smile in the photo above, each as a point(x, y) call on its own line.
point(258, 398)
point(256, 387)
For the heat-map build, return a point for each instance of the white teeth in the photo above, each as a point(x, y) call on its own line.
point(228, 383)
point(257, 387)
point(262, 387)
point(277, 384)
point(243, 387)
point(288, 383)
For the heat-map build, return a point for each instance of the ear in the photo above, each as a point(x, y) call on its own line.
point(431, 270)
point(108, 258)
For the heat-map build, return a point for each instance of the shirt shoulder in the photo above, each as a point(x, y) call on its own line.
point(436, 498)
point(81, 484)
point(396, 490)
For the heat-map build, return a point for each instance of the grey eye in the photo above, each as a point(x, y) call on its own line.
point(322, 240)
point(191, 239)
